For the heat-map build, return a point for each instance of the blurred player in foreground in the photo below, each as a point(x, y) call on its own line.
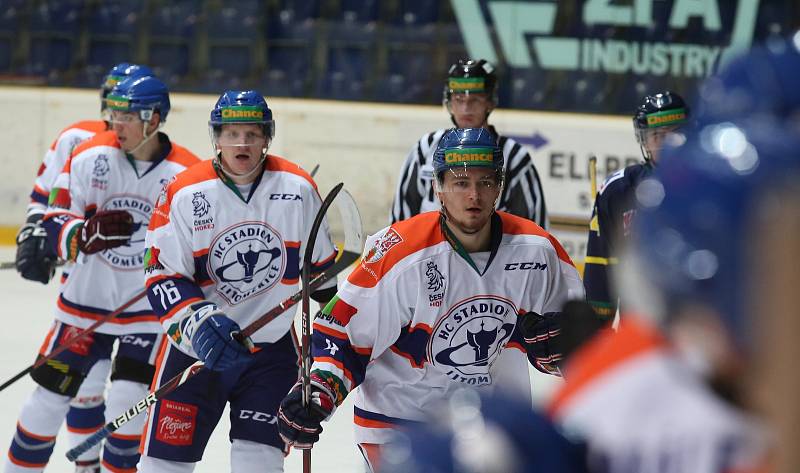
point(470, 95)
point(36, 261)
point(435, 301)
point(224, 246)
point(657, 119)
point(98, 212)
point(701, 347)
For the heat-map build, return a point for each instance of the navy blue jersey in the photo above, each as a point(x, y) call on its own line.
point(614, 209)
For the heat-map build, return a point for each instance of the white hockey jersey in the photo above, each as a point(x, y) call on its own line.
point(640, 409)
point(244, 253)
point(99, 176)
point(56, 157)
point(415, 320)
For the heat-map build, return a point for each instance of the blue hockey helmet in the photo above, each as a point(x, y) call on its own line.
point(461, 148)
point(144, 95)
point(694, 230)
point(242, 106)
point(116, 75)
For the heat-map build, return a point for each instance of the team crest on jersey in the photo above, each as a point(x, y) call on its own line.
point(245, 260)
point(200, 205)
point(469, 337)
point(101, 166)
point(435, 284)
point(200, 208)
point(129, 256)
point(382, 246)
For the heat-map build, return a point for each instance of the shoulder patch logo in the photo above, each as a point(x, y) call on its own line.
point(435, 284)
point(383, 245)
point(246, 259)
point(101, 166)
point(469, 337)
point(200, 205)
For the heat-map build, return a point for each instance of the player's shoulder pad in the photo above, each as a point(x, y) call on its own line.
point(622, 179)
point(104, 139)
point(196, 173)
point(279, 164)
point(393, 244)
point(80, 128)
point(515, 225)
point(182, 156)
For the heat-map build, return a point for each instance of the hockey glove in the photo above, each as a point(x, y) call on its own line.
point(541, 334)
point(34, 261)
point(104, 230)
point(300, 426)
point(213, 337)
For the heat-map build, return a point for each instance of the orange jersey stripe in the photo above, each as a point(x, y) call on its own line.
point(603, 353)
point(514, 225)
point(277, 163)
point(182, 156)
point(402, 239)
point(372, 424)
point(116, 320)
point(106, 138)
point(93, 126)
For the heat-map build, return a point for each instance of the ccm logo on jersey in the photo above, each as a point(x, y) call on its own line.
point(258, 416)
point(285, 197)
point(526, 266)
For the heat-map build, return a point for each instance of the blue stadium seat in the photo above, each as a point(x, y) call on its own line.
point(359, 11)
point(170, 61)
point(48, 55)
point(240, 19)
point(175, 19)
point(10, 15)
point(233, 60)
point(409, 77)
point(288, 70)
point(57, 17)
point(347, 72)
point(417, 12)
point(116, 18)
point(104, 53)
point(6, 50)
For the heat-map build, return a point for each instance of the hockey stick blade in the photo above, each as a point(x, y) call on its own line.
point(67, 344)
point(348, 256)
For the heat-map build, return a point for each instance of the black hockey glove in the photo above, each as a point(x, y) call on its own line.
point(34, 260)
point(300, 426)
point(541, 334)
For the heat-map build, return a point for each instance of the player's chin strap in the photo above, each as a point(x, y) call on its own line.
point(146, 136)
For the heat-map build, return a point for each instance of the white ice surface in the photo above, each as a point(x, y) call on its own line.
point(26, 311)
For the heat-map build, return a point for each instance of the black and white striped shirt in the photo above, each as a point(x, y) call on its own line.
point(522, 194)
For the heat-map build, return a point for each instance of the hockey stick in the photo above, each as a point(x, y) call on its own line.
point(13, 264)
point(593, 175)
point(305, 346)
point(350, 253)
point(66, 345)
point(314, 171)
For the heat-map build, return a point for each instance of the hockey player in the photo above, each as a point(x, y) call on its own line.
point(434, 302)
point(470, 95)
point(33, 260)
point(663, 394)
point(36, 262)
point(224, 246)
point(659, 116)
point(98, 210)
